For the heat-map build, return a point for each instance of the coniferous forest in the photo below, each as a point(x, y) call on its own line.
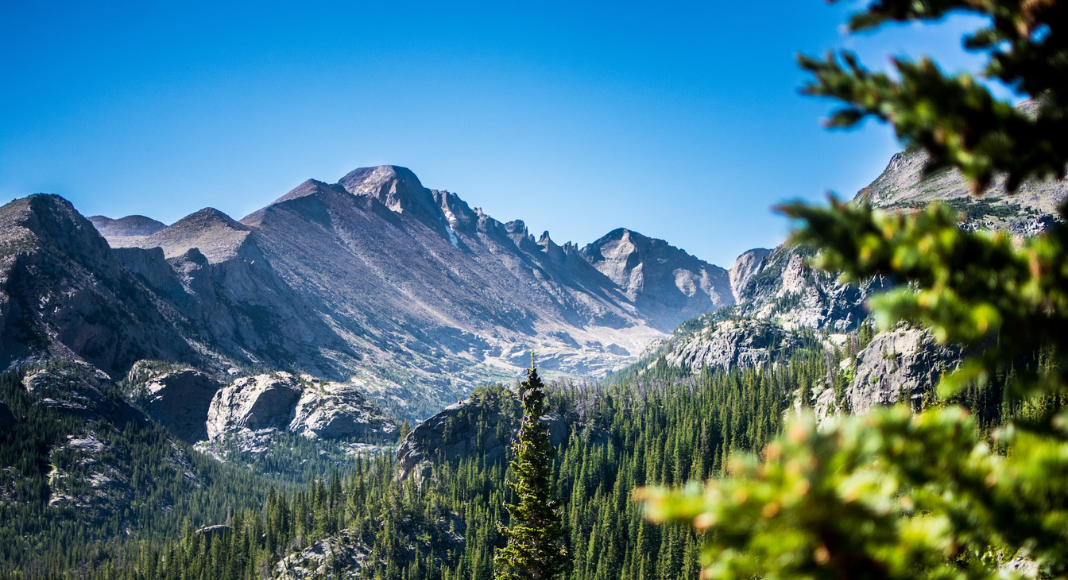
point(665, 428)
point(232, 520)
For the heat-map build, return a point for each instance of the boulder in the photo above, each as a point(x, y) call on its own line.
point(335, 411)
point(254, 403)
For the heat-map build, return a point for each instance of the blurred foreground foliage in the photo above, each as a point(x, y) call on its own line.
point(897, 494)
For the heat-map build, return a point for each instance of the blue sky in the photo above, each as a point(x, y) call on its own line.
point(679, 120)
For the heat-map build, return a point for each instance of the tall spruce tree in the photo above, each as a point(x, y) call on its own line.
point(536, 547)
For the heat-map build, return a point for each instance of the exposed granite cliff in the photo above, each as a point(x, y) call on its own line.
point(63, 293)
point(747, 265)
point(253, 404)
point(796, 296)
point(898, 365)
point(735, 343)
point(334, 410)
point(250, 410)
point(179, 400)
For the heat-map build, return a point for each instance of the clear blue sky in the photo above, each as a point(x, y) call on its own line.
point(679, 120)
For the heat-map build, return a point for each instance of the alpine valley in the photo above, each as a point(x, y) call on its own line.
point(322, 388)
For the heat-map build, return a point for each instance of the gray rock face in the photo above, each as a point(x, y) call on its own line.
point(251, 410)
point(344, 550)
point(665, 282)
point(332, 411)
point(898, 365)
point(451, 434)
point(180, 402)
point(746, 266)
point(794, 295)
point(253, 403)
point(397, 188)
point(733, 343)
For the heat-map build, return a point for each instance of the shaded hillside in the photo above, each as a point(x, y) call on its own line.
point(64, 293)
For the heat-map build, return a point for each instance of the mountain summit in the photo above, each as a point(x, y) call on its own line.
point(667, 284)
point(395, 187)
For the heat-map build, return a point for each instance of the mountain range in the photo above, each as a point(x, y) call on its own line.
point(406, 293)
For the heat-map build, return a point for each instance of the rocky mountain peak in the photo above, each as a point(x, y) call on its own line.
point(51, 220)
point(208, 217)
point(396, 187)
point(746, 266)
point(215, 234)
point(659, 277)
point(131, 225)
point(309, 187)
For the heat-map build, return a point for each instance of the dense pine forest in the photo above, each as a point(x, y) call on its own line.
point(661, 426)
point(192, 517)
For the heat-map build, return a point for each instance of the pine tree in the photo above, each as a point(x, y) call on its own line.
point(536, 535)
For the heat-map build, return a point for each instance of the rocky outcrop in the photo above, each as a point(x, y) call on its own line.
point(794, 295)
point(898, 365)
point(731, 343)
point(254, 404)
point(453, 433)
point(81, 391)
point(749, 264)
point(87, 457)
point(344, 552)
point(180, 401)
point(333, 411)
point(251, 410)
